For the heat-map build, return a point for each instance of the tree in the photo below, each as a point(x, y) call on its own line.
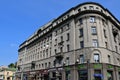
point(11, 65)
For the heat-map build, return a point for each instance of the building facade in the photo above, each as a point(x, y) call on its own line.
point(81, 44)
point(7, 73)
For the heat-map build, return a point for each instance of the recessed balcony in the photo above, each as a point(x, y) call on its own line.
point(59, 55)
point(115, 32)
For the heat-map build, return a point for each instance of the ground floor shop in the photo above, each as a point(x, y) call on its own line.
point(95, 71)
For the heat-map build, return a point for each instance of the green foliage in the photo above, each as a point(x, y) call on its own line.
point(12, 65)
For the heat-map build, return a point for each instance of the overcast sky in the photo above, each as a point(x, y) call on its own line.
point(21, 18)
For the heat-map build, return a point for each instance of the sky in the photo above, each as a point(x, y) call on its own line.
point(21, 18)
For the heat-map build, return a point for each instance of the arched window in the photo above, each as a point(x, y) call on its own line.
point(96, 58)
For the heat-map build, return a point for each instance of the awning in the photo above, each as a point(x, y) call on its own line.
point(98, 75)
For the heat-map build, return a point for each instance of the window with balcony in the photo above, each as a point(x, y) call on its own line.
point(67, 26)
point(61, 49)
point(116, 48)
point(55, 51)
point(93, 30)
point(82, 58)
point(81, 32)
point(96, 58)
point(55, 42)
point(105, 35)
point(106, 44)
point(92, 19)
point(95, 43)
point(81, 44)
point(68, 75)
point(109, 59)
point(61, 38)
point(67, 61)
point(81, 21)
point(68, 47)
point(68, 36)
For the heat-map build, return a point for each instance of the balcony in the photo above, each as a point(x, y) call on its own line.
point(115, 32)
point(33, 65)
point(60, 44)
point(59, 55)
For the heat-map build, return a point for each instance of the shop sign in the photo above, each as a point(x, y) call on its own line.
point(110, 67)
point(81, 66)
point(54, 69)
point(97, 65)
point(32, 72)
point(67, 68)
point(60, 69)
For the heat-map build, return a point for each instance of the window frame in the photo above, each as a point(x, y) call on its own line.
point(96, 55)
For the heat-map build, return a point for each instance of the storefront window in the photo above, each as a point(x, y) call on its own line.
point(82, 75)
point(98, 75)
point(68, 75)
point(119, 75)
point(110, 75)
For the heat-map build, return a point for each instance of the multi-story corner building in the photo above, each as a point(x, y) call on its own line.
point(81, 44)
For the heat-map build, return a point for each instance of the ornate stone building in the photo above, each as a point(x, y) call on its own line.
point(81, 44)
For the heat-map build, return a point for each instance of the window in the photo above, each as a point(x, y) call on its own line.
point(49, 64)
point(68, 75)
point(109, 59)
point(55, 42)
point(118, 61)
point(79, 10)
point(54, 63)
point(85, 8)
point(61, 29)
point(105, 33)
point(83, 74)
point(97, 8)
point(81, 32)
point(119, 75)
point(81, 21)
point(55, 51)
point(68, 47)
point(68, 36)
point(39, 65)
point(55, 33)
point(61, 38)
point(97, 75)
point(91, 7)
point(92, 19)
point(106, 44)
point(81, 58)
point(46, 52)
point(67, 26)
point(116, 48)
point(50, 51)
point(93, 30)
point(110, 75)
point(67, 61)
point(96, 58)
point(42, 65)
point(95, 43)
point(81, 44)
point(45, 65)
point(61, 49)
